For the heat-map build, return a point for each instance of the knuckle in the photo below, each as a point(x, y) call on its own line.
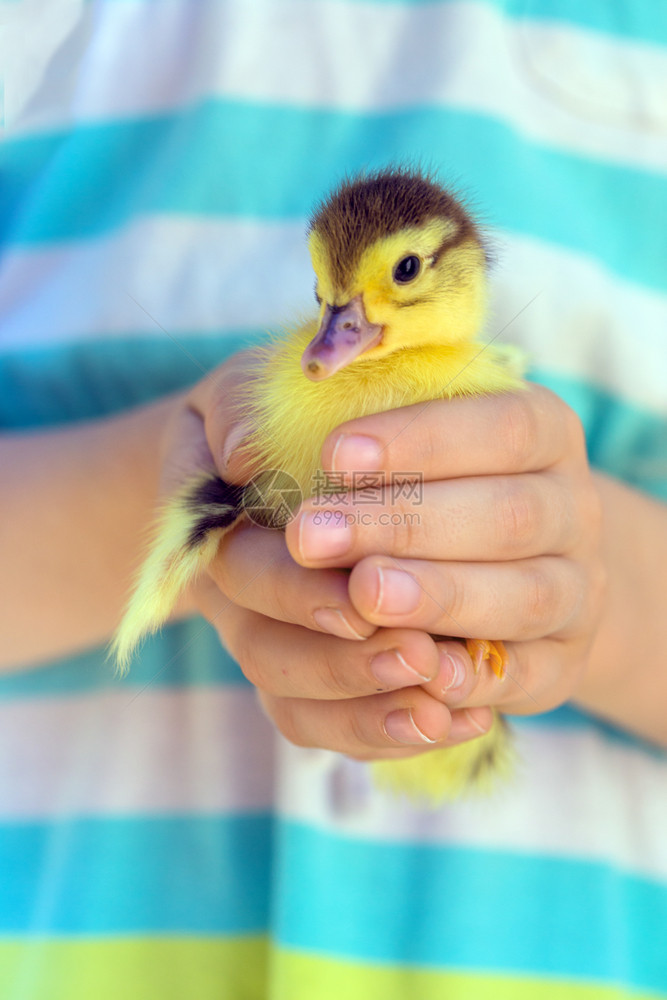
point(283, 600)
point(573, 428)
point(402, 531)
point(332, 678)
point(357, 736)
point(517, 518)
point(456, 603)
point(245, 653)
point(541, 597)
point(429, 442)
point(517, 430)
point(285, 718)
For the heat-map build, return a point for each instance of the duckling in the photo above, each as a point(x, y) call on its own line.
point(400, 272)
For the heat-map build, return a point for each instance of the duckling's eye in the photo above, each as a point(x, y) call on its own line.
point(407, 269)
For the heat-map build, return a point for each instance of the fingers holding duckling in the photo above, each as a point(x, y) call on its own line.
point(253, 567)
point(505, 544)
point(325, 675)
point(379, 727)
point(368, 698)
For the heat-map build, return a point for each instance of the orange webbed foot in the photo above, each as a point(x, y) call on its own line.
point(482, 650)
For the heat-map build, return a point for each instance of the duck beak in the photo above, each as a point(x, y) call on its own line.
point(343, 335)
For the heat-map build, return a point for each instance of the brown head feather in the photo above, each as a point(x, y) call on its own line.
point(360, 211)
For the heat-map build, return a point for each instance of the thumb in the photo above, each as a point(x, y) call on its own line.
point(185, 451)
point(208, 431)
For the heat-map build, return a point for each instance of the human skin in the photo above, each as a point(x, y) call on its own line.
point(516, 538)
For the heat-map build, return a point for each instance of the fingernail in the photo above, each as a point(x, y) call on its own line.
point(401, 727)
point(398, 592)
point(334, 621)
point(392, 670)
point(453, 671)
point(322, 538)
point(236, 435)
point(356, 451)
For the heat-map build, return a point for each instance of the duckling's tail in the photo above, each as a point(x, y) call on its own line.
point(470, 768)
point(185, 540)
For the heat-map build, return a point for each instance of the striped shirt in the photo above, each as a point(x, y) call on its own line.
point(157, 838)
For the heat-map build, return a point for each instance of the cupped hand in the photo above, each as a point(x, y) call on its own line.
point(326, 675)
point(498, 537)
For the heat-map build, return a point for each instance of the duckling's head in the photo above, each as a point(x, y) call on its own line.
point(399, 264)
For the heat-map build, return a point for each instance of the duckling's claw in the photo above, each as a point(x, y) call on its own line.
point(483, 649)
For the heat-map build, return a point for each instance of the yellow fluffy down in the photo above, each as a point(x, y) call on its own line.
point(292, 416)
point(169, 568)
point(473, 768)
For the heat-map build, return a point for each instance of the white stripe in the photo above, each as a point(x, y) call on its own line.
point(188, 273)
point(211, 276)
point(31, 35)
point(586, 318)
point(561, 85)
point(609, 804)
point(204, 750)
point(162, 751)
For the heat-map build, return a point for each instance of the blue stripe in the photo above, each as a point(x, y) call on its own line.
point(43, 386)
point(195, 875)
point(412, 904)
point(463, 908)
point(95, 378)
point(634, 20)
point(212, 160)
point(184, 655)
point(623, 439)
point(639, 20)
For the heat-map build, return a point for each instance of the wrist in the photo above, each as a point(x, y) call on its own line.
point(625, 681)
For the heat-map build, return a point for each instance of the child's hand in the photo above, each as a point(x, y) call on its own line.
point(505, 543)
point(326, 676)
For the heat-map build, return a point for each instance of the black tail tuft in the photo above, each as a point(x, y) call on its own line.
point(214, 504)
